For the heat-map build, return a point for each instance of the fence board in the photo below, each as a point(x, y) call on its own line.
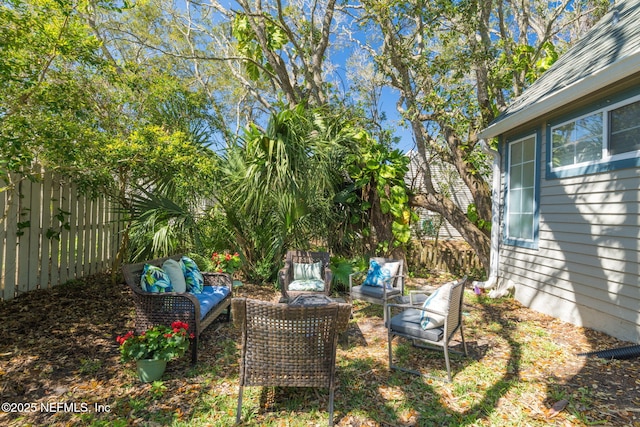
point(11, 242)
point(45, 245)
point(59, 249)
point(447, 256)
point(3, 232)
point(51, 234)
point(24, 233)
point(67, 257)
point(35, 233)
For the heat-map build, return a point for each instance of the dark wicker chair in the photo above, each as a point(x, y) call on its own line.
point(286, 274)
point(288, 346)
point(165, 308)
point(374, 294)
point(405, 322)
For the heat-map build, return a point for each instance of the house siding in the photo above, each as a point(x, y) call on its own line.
point(446, 179)
point(586, 267)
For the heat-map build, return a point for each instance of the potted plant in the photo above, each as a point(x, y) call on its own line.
point(154, 348)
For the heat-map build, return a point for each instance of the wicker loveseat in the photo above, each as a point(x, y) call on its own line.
point(199, 311)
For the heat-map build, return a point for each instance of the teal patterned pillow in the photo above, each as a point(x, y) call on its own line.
point(380, 274)
point(376, 276)
point(154, 279)
point(311, 271)
point(192, 275)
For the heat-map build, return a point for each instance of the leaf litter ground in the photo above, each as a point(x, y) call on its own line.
point(59, 365)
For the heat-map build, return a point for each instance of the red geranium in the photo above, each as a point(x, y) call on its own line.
point(159, 342)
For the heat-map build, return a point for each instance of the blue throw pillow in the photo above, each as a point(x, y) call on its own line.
point(192, 275)
point(154, 279)
point(380, 275)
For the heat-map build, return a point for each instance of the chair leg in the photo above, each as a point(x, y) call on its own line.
point(239, 408)
point(330, 406)
point(464, 344)
point(446, 359)
point(194, 350)
point(390, 350)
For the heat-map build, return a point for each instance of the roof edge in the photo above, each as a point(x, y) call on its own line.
point(619, 70)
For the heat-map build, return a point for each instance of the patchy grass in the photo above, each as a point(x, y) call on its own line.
point(59, 365)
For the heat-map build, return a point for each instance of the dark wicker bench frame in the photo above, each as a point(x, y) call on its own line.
point(165, 308)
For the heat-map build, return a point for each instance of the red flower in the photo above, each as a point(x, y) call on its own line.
point(120, 340)
point(227, 257)
point(192, 335)
point(177, 325)
point(168, 335)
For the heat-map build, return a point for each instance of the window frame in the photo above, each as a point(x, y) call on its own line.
point(507, 238)
point(607, 162)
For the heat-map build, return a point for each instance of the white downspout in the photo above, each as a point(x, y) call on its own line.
point(495, 221)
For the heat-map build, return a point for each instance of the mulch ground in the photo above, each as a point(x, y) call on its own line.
point(58, 345)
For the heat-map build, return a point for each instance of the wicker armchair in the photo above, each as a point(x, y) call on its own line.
point(405, 321)
point(288, 346)
point(286, 275)
point(167, 307)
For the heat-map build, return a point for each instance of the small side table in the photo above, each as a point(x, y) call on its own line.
point(311, 300)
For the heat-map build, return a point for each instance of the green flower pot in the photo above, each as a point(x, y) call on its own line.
point(150, 369)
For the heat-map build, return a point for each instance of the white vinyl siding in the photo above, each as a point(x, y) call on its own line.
point(521, 191)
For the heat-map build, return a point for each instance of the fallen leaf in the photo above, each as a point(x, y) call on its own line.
point(557, 408)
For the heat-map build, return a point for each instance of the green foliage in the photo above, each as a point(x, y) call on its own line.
point(249, 46)
point(204, 263)
point(341, 269)
point(472, 214)
point(276, 189)
point(378, 169)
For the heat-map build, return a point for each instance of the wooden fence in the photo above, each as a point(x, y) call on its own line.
point(52, 234)
point(449, 256)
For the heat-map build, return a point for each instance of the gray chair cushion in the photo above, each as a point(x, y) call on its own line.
point(374, 291)
point(408, 322)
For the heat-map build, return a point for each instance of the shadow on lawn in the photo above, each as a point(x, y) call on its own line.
point(59, 346)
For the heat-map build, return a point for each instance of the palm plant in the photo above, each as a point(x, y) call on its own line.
point(163, 222)
point(279, 184)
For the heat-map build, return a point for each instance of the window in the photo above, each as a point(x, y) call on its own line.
point(521, 191)
point(624, 129)
point(578, 141)
point(610, 134)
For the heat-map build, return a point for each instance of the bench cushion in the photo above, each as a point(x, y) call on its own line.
point(210, 297)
